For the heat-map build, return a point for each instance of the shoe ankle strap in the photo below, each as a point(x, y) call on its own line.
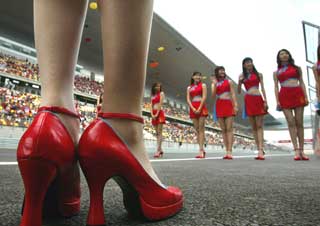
point(57, 109)
point(121, 116)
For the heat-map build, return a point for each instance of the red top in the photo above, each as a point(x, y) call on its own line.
point(251, 81)
point(155, 99)
point(195, 89)
point(287, 72)
point(223, 86)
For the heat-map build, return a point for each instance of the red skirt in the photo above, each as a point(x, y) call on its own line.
point(291, 97)
point(161, 119)
point(203, 113)
point(224, 108)
point(254, 105)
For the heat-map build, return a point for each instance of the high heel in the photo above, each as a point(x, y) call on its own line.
point(260, 158)
point(202, 155)
point(297, 158)
point(227, 157)
point(102, 159)
point(158, 154)
point(46, 159)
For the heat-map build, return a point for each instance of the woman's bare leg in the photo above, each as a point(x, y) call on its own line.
point(58, 28)
point(229, 132)
point(252, 120)
point(298, 114)
point(126, 27)
point(201, 132)
point(292, 129)
point(224, 132)
point(259, 123)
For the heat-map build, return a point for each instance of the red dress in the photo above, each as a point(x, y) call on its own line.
point(223, 107)
point(195, 90)
point(161, 119)
point(290, 97)
point(254, 104)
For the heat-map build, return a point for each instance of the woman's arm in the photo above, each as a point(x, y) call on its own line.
point(263, 90)
point(316, 78)
point(160, 103)
point(151, 111)
point(276, 87)
point(204, 97)
point(233, 96)
point(241, 77)
point(188, 99)
point(302, 85)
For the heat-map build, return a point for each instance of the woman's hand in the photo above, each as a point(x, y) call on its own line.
point(265, 105)
point(235, 108)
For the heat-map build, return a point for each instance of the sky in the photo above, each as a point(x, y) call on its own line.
point(229, 30)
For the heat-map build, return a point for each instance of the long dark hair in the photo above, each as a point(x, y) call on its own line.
point(216, 71)
point(290, 61)
point(318, 51)
point(153, 88)
point(244, 70)
point(193, 74)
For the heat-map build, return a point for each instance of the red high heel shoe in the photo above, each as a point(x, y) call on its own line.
point(50, 173)
point(158, 154)
point(297, 158)
point(227, 157)
point(202, 155)
point(102, 159)
point(260, 158)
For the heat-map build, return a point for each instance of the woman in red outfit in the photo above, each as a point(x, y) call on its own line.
point(157, 114)
point(112, 145)
point(196, 97)
point(255, 106)
point(226, 107)
point(292, 99)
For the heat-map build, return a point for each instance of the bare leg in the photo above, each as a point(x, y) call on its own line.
point(159, 138)
point(229, 130)
point(224, 132)
point(196, 127)
point(259, 123)
point(201, 132)
point(126, 27)
point(292, 129)
point(157, 135)
point(58, 28)
point(253, 123)
point(298, 113)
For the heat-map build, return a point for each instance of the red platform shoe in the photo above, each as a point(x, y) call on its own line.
point(227, 157)
point(158, 154)
point(297, 158)
point(104, 155)
point(48, 166)
point(260, 158)
point(202, 155)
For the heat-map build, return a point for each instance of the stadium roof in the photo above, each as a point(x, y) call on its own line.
point(176, 63)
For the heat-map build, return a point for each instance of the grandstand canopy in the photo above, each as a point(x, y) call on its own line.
point(176, 63)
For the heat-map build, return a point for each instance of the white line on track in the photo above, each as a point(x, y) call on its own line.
point(214, 158)
point(177, 160)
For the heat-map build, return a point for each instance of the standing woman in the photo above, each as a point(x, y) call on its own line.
point(196, 97)
point(292, 99)
point(157, 114)
point(226, 107)
point(255, 106)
